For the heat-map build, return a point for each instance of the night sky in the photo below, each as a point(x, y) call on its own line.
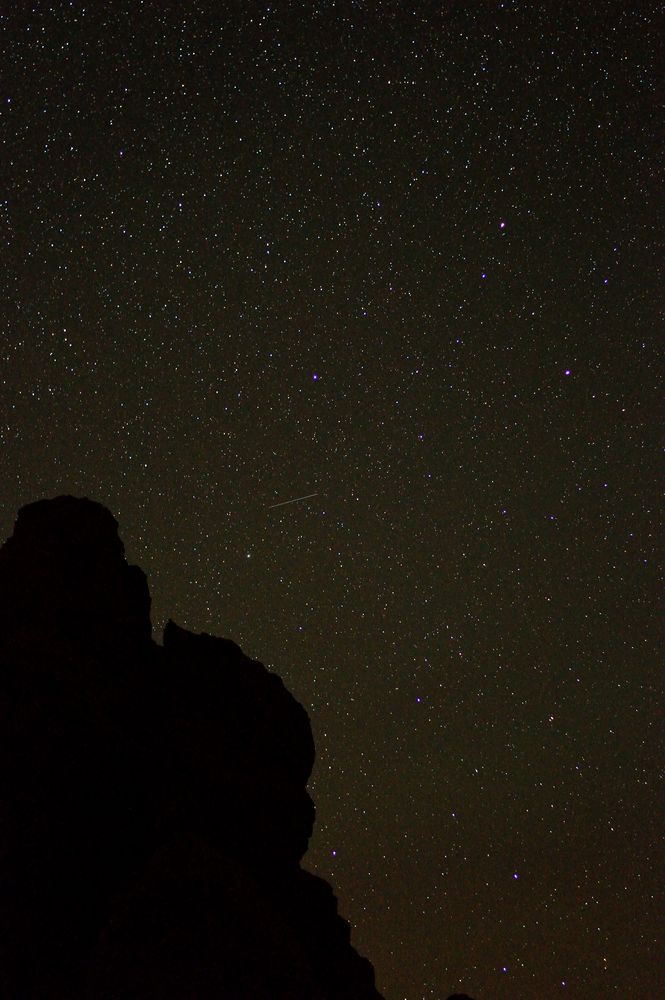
point(404, 257)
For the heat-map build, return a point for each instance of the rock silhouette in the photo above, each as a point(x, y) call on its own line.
point(153, 801)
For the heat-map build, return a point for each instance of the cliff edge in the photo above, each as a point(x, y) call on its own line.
point(153, 799)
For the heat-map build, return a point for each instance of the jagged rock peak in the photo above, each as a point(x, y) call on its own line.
point(153, 799)
point(63, 572)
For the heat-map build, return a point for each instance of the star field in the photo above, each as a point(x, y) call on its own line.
point(407, 258)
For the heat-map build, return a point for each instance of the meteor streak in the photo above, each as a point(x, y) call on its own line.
point(283, 503)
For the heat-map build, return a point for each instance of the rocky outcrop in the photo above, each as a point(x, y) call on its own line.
point(153, 800)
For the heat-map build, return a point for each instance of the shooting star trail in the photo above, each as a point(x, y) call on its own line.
point(295, 500)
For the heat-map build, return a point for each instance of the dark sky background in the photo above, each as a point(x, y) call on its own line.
point(405, 257)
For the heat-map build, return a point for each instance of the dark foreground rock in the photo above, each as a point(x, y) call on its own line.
point(153, 801)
